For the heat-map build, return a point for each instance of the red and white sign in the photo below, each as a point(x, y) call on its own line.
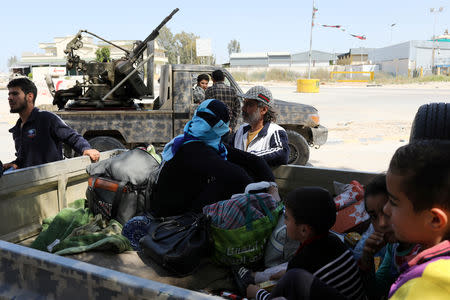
point(57, 71)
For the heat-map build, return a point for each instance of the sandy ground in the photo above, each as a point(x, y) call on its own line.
point(366, 124)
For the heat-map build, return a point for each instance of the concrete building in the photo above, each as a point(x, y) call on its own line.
point(410, 57)
point(356, 56)
point(281, 59)
point(259, 59)
point(318, 58)
point(278, 59)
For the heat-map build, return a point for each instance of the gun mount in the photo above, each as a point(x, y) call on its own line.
point(114, 83)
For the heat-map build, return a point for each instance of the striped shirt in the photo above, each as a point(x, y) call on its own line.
point(329, 260)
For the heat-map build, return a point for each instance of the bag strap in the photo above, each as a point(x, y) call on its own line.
point(175, 223)
point(94, 179)
point(264, 207)
point(117, 199)
point(249, 214)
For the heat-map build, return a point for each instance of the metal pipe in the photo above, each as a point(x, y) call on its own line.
point(106, 41)
point(141, 47)
point(126, 77)
point(310, 41)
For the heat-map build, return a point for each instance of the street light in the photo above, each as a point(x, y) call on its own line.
point(310, 39)
point(392, 27)
point(434, 11)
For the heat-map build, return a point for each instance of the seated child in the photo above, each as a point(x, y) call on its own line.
point(377, 284)
point(418, 183)
point(323, 267)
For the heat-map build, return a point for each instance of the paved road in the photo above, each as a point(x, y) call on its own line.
point(366, 124)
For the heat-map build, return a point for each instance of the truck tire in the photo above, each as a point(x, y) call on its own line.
point(104, 143)
point(299, 149)
point(432, 121)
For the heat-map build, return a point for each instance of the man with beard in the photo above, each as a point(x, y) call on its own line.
point(38, 135)
point(260, 135)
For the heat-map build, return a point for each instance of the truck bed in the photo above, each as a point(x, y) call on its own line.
point(30, 195)
point(208, 277)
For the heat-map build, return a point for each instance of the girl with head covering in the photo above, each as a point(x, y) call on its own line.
point(198, 169)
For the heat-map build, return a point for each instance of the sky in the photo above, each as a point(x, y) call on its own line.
point(259, 26)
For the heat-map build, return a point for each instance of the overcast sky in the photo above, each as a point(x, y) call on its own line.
point(259, 26)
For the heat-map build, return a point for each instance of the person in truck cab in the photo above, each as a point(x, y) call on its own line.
point(38, 135)
point(260, 135)
point(199, 90)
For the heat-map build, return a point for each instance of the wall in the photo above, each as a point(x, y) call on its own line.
point(297, 68)
point(248, 61)
point(395, 67)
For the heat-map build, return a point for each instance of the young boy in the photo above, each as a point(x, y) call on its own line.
point(377, 284)
point(322, 268)
point(199, 90)
point(418, 183)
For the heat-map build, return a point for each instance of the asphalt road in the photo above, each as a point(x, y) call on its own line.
point(366, 124)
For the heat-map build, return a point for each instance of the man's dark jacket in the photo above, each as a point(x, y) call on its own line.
point(40, 139)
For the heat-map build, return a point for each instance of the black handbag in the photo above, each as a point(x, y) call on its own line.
point(178, 243)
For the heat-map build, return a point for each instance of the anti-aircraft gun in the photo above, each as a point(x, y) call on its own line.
point(107, 84)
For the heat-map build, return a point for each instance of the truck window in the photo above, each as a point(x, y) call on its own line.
point(227, 82)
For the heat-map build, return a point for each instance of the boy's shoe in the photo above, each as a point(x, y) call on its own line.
point(243, 278)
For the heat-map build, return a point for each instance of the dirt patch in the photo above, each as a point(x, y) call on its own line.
point(373, 131)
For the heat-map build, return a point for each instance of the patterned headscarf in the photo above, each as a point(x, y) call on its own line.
point(209, 123)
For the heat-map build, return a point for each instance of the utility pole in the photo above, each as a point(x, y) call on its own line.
point(435, 11)
point(392, 27)
point(310, 39)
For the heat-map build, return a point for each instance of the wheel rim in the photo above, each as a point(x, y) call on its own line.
point(293, 154)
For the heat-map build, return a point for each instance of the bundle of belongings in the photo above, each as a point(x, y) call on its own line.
point(75, 229)
point(120, 187)
point(241, 226)
point(233, 231)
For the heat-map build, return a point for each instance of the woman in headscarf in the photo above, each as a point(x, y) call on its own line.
point(199, 169)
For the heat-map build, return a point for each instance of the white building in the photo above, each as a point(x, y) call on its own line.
point(409, 57)
point(281, 59)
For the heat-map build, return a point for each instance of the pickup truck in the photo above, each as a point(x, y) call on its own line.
point(158, 120)
point(29, 195)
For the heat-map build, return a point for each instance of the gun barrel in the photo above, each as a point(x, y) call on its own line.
point(143, 45)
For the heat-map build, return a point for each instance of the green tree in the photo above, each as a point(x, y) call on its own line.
point(103, 54)
point(180, 45)
point(166, 40)
point(234, 47)
point(185, 43)
point(12, 60)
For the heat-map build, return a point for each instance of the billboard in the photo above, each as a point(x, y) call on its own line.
point(203, 47)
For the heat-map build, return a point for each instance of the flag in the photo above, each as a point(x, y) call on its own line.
point(313, 16)
point(332, 26)
point(361, 37)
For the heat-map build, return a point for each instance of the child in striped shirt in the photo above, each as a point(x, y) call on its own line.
point(323, 267)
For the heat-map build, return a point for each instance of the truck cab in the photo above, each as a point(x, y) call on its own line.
point(165, 118)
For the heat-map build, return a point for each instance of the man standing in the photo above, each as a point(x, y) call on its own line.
point(38, 135)
point(261, 136)
point(226, 94)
